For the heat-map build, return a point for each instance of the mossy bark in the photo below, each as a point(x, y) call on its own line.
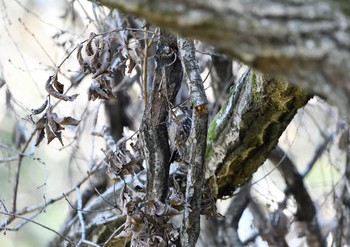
point(247, 128)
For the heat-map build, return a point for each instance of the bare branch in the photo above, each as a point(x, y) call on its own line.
point(191, 221)
point(306, 210)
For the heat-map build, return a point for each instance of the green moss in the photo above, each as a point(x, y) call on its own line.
point(256, 95)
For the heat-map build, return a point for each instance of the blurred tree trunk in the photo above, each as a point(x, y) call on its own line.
point(305, 42)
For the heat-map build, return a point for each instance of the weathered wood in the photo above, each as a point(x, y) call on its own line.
point(247, 128)
point(154, 135)
point(197, 144)
point(305, 42)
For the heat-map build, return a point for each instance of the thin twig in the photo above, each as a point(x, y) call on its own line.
point(19, 164)
point(37, 223)
point(40, 206)
point(80, 214)
point(145, 66)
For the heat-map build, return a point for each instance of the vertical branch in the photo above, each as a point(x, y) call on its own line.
point(145, 65)
point(191, 222)
point(306, 210)
point(154, 135)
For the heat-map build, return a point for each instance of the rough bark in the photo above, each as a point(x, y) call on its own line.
point(198, 139)
point(154, 135)
point(247, 128)
point(305, 42)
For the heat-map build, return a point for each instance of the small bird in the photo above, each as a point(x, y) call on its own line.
point(179, 128)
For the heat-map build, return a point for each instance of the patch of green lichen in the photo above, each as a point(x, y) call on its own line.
point(254, 86)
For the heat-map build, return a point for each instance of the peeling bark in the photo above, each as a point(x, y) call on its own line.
point(305, 42)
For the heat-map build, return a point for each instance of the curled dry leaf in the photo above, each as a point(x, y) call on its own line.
point(54, 93)
point(56, 84)
point(83, 64)
point(88, 48)
point(41, 135)
point(41, 123)
point(40, 109)
point(100, 89)
point(160, 209)
point(97, 56)
point(65, 120)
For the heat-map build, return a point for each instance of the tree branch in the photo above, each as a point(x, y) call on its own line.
point(306, 210)
point(305, 42)
point(247, 128)
point(154, 135)
point(191, 221)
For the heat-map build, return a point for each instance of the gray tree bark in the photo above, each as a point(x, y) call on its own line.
point(305, 42)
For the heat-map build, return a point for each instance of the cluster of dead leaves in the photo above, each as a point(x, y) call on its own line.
point(148, 222)
point(50, 123)
point(123, 162)
point(103, 55)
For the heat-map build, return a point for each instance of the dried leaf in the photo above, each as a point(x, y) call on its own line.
point(88, 48)
point(50, 89)
point(40, 124)
point(49, 133)
point(40, 137)
point(65, 120)
point(132, 65)
point(100, 89)
point(59, 86)
point(59, 137)
point(40, 109)
point(95, 60)
point(160, 209)
point(105, 58)
point(83, 64)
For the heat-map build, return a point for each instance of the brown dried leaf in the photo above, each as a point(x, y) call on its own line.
point(41, 123)
point(50, 89)
point(88, 48)
point(59, 137)
point(100, 89)
point(59, 86)
point(41, 135)
point(105, 58)
point(83, 64)
point(65, 120)
point(132, 65)
point(40, 109)
point(49, 133)
point(160, 209)
point(95, 60)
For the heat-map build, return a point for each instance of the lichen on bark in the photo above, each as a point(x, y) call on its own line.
point(247, 128)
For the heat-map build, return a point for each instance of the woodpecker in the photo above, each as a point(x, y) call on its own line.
point(179, 128)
